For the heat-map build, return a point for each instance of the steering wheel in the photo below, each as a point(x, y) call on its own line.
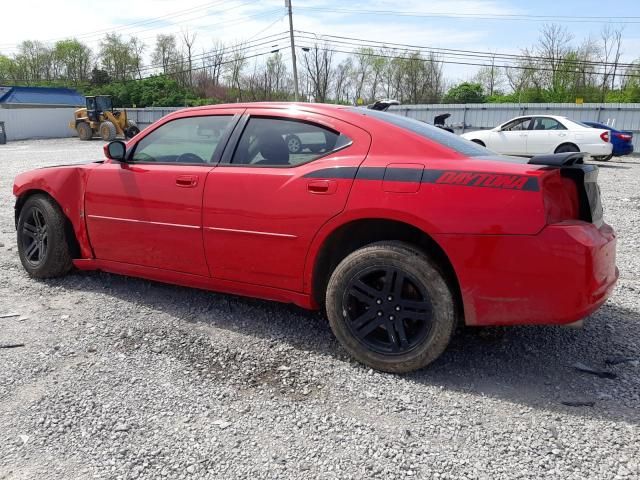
point(189, 158)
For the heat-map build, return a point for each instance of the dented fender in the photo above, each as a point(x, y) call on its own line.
point(66, 185)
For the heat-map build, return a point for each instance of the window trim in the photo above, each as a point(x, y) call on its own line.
point(514, 120)
point(217, 152)
point(234, 142)
point(544, 117)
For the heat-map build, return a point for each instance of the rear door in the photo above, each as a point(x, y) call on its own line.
point(148, 211)
point(545, 134)
point(269, 196)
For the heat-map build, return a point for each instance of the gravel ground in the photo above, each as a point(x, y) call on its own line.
point(122, 378)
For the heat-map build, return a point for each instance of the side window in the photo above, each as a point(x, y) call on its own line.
point(517, 125)
point(185, 140)
point(273, 142)
point(546, 123)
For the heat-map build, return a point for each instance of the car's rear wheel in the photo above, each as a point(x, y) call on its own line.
point(567, 148)
point(390, 307)
point(42, 242)
point(294, 144)
point(603, 159)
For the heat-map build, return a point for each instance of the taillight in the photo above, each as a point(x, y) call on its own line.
point(560, 198)
point(605, 136)
point(625, 137)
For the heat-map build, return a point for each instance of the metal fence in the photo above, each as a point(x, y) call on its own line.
point(53, 123)
point(482, 116)
point(146, 116)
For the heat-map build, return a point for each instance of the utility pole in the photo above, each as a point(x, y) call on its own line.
point(287, 3)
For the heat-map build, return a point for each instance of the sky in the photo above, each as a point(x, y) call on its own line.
point(501, 26)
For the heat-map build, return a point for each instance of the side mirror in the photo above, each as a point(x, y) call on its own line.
point(115, 150)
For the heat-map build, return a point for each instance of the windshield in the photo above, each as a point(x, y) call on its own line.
point(450, 140)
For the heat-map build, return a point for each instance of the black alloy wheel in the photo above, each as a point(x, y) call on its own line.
point(387, 310)
point(35, 237)
point(390, 306)
point(42, 238)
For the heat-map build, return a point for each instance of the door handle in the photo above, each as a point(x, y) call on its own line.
point(322, 187)
point(187, 181)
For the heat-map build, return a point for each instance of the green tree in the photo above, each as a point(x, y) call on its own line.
point(465, 93)
point(72, 61)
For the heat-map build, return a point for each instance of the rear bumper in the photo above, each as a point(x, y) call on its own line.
point(619, 150)
point(601, 149)
point(557, 277)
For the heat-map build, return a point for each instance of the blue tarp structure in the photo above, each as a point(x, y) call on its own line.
point(39, 97)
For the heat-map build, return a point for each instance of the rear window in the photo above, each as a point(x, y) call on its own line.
point(450, 140)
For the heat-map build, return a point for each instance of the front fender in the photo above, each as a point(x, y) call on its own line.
point(66, 185)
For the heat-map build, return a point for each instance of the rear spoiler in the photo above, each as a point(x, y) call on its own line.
point(559, 159)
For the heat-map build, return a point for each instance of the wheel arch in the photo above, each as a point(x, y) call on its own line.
point(70, 234)
point(357, 233)
point(567, 144)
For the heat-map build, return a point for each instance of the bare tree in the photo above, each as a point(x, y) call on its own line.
point(610, 52)
point(318, 66)
point(235, 65)
point(490, 77)
point(188, 39)
point(342, 80)
point(165, 52)
point(553, 46)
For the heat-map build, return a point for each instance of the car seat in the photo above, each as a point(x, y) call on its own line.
point(273, 149)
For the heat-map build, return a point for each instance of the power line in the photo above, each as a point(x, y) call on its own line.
point(451, 62)
point(99, 33)
point(258, 44)
point(357, 42)
point(481, 16)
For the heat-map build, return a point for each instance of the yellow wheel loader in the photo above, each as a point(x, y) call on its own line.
point(99, 118)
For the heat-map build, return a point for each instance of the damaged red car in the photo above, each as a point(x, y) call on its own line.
point(399, 230)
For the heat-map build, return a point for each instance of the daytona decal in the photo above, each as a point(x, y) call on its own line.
point(491, 180)
point(442, 177)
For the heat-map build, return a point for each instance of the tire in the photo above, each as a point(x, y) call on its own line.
point(84, 131)
point(132, 129)
point(107, 131)
point(360, 305)
point(479, 142)
point(567, 148)
point(603, 159)
point(42, 241)
point(293, 143)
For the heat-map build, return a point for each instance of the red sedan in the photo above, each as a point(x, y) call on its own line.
point(398, 229)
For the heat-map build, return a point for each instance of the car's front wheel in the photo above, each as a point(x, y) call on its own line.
point(42, 243)
point(390, 307)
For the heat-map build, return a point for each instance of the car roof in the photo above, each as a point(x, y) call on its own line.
point(315, 107)
point(556, 117)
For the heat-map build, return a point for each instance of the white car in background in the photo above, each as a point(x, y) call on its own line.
point(543, 134)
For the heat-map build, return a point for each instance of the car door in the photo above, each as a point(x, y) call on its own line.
point(511, 138)
point(148, 211)
point(545, 134)
point(269, 196)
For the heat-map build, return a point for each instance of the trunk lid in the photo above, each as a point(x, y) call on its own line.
point(585, 177)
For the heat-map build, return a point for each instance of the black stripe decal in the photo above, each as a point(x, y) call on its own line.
point(403, 174)
point(442, 177)
point(335, 172)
